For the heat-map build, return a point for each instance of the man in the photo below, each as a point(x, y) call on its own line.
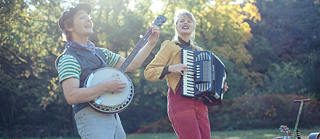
point(79, 59)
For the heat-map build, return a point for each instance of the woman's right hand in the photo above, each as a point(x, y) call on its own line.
point(178, 68)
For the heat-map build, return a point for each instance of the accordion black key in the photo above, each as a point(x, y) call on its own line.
point(205, 77)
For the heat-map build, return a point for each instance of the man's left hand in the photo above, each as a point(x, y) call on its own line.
point(154, 36)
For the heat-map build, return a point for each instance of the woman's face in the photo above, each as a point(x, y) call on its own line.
point(185, 25)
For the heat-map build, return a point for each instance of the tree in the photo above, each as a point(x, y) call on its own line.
point(286, 38)
point(29, 40)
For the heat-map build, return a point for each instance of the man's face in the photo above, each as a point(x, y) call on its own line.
point(82, 24)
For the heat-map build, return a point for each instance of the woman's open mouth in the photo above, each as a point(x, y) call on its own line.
point(185, 27)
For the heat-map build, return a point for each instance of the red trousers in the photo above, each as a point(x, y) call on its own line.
point(189, 117)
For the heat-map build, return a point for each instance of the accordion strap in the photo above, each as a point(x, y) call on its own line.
point(186, 47)
point(197, 48)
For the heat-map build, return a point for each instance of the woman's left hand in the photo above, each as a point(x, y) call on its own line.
point(225, 88)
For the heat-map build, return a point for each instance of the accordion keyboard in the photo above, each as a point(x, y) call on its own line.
point(188, 79)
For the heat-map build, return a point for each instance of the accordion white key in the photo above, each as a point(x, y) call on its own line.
point(205, 77)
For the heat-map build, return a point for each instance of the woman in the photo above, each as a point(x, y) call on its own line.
point(189, 117)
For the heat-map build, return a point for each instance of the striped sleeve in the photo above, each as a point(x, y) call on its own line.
point(68, 67)
point(112, 58)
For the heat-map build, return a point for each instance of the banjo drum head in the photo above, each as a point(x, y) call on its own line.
point(109, 99)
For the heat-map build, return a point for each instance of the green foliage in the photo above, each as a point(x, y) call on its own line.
point(262, 54)
point(223, 30)
point(312, 76)
point(28, 42)
point(285, 79)
point(284, 45)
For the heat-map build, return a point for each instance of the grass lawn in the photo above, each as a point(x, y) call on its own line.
point(237, 134)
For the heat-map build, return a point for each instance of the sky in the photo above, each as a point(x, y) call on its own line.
point(155, 7)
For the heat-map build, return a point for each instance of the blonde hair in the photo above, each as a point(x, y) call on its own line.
point(185, 13)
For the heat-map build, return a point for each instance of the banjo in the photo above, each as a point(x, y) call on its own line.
point(116, 102)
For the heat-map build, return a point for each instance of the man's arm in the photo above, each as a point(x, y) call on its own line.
point(69, 71)
point(144, 52)
point(74, 94)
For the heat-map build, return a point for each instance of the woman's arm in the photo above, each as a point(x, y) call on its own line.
point(160, 61)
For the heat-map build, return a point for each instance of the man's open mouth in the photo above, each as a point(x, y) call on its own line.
point(87, 26)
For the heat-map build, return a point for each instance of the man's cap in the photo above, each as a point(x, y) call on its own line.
point(72, 11)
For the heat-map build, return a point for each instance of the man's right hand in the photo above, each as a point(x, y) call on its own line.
point(113, 85)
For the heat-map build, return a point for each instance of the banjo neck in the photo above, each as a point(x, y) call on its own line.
point(135, 51)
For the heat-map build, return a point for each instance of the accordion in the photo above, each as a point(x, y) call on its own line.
point(205, 77)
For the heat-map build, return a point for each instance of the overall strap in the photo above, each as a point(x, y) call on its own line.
point(101, 59)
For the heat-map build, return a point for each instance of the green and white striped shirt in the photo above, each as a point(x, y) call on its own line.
point(68, 66)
